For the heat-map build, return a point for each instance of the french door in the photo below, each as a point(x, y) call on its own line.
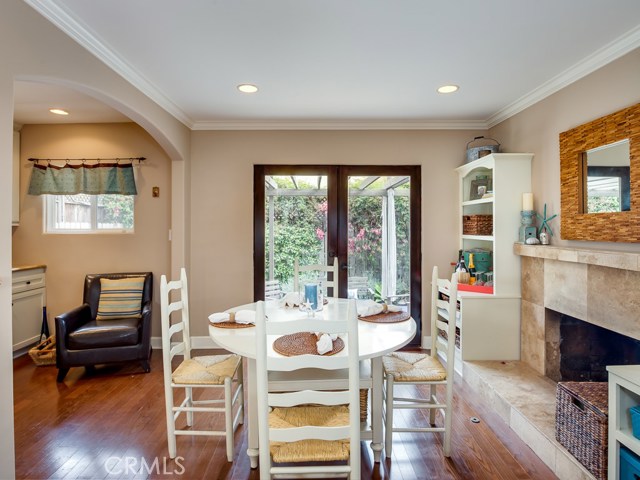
point(366, 216)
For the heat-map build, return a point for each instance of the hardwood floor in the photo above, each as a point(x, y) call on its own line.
point(110, 424)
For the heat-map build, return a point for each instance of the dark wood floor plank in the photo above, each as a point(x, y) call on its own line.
point(115, 415)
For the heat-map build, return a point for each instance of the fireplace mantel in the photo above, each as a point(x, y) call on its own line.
point(597, 286)
point(603, 258)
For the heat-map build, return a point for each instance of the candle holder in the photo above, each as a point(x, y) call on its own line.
point(306, 307)
point(311, 295)
point(527, 229)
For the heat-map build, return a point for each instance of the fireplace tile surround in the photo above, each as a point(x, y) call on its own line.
point(599, 287)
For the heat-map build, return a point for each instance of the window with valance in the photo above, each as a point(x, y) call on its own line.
point(86, 197)
point(92, 179)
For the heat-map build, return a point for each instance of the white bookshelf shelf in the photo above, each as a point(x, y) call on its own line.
point(490, 323)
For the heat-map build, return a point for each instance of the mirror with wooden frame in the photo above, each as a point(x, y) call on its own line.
point(589, 182)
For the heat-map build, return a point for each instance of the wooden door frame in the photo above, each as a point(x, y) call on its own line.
point(259, 172)
point(337, 225)
point(413, 172)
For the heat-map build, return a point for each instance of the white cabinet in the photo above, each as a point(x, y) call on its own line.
point(489, 327)
point(15, 212)
point(28, 300)
point(490, 322)
point(624, 393)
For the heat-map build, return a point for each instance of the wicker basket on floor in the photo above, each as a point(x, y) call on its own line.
point(44, 353)
point(582, 423)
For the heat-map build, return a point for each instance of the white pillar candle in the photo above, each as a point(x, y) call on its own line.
point(527, 201)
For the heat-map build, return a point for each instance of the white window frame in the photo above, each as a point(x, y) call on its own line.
point(49, 209)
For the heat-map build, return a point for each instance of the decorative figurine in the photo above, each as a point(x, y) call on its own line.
point(545, 230)
point(544, 237)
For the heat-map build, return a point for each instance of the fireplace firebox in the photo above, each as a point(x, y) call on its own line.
point(587, 349)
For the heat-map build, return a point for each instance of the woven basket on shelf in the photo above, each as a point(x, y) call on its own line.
point(582, 423)
point(44, 353)
point(477, 224)
point(364, 404)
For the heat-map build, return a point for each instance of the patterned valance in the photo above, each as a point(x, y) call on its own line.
point(92, 179)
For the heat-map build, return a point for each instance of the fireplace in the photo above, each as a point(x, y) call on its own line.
point(586, 349)
point(559, 285)
point(599, 288)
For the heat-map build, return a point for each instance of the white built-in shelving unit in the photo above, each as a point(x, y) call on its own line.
point(490, 323)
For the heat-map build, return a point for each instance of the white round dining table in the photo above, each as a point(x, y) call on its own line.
point(374, 341)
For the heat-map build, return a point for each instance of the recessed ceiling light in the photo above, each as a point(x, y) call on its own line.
point(448, 89)
point(247, 88)
point(58, 111)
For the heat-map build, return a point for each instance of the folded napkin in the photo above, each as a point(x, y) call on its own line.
point(367, 308)
point(241, 316)
point(325, 342)
point(219, 317)
point(245, 316)
point(291, 299)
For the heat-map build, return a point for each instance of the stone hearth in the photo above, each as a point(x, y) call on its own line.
point(525, 400)
point(599, 287)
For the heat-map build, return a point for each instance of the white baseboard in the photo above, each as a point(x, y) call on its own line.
point(426, 343)
point(196, 343)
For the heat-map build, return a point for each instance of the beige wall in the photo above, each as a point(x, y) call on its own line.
point(222, 198)
point(32, 48)
point(70, 257)
point(536, 130)
point(7, 469)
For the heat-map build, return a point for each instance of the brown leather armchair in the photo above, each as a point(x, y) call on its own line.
point(81, 340)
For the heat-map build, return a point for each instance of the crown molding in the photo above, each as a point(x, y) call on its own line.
point(607, 54)
point(340, 125)
point(83, 36)
point(61, 18)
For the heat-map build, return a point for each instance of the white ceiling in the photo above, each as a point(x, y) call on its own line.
point(345, 63)
point(32, 102)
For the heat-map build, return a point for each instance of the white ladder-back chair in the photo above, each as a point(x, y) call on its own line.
point(211, 371)
point(323, 271)
point(406, 368)
point(273, 290)
point(308, 425)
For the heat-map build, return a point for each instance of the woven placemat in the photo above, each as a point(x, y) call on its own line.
point(231, 325)
point(302, 343)
point(388, 317)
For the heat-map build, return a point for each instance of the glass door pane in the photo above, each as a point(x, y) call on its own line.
point(295, 227)
point(378, 245)
point(366, 217)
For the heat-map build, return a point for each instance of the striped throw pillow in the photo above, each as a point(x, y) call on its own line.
point(120, 298)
